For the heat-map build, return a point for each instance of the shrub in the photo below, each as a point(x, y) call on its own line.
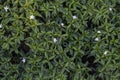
point(59, 40)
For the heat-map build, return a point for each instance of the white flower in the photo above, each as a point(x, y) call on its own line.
point(54, 40)
point(74, 17)
point(32, 17)
point(6, 8)
point(23, 60)
point(62, 24)
point(110, 9)
point(0, 25)
point(96, 39)
point(105, 52)
point(98, 31)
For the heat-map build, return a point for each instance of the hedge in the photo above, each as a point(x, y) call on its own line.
point(59, 40)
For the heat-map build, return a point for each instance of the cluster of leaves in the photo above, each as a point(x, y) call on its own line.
point(75, 55)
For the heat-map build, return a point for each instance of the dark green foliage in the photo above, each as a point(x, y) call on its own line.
point(59, 40)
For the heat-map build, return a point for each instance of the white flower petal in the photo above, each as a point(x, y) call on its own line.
point(6, 8)
point(96, 39)
point(110, 9)
point(0, 25)
point(98, 31)
point(62, 24)
point(32, 17)
point(105, 53)
point(23, 60)
point(74, 17)
point(54, 40)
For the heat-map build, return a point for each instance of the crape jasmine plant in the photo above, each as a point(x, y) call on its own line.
point(59, 39)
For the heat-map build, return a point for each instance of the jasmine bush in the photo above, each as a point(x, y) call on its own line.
point(59, 40)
